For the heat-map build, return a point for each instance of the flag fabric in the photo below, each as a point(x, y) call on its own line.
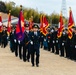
point(9, 23)
point(30, 23)
point(70, 24)
point(0, 23)
point(61, 26)
point(41, 23)
point(44, 25)
point(20, 27)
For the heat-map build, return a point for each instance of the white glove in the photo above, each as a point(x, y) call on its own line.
point(31, 42)
point(7, 37)
point(53, 41)
point(15, 40)
point(44, 39)
point(19, 41)
point(56, 41)
point(62, 44)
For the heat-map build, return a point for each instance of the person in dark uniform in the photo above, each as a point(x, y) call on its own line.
point(11, 37)
point(74, 45)
point(62, 41)
point(4, 37)
point(15, 43)
point(56, 40)
point(41, 39)
point(69, 44)
point(53, 40)
point(45, 43)
point(49, 40)
point(22, 45)
point(28, 45)
point(72, 52)
point(35, 45)
point(66, 45)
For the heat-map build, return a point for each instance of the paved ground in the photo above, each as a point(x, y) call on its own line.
point(50, 64)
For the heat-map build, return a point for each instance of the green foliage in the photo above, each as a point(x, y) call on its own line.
point(2, 6)
point(55, 18)
point(28, 12)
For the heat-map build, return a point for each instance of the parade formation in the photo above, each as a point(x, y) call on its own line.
point(26, 39)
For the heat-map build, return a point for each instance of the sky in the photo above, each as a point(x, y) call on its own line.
point(48, 6)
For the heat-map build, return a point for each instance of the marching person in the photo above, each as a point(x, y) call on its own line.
point(35, 45)
point(23, 46)
point(49, 40)
point(4, 37)
point(74, 45)
point(28, 45)
point(41, 39)
point(56, 40)
point(62, 41)
point(11, 37)
point(15, 43)
point(53, 40)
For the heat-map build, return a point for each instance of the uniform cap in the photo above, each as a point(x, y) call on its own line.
point(35, 26)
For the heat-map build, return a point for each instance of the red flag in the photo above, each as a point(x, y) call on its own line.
point(61, 26)
point(9, 23)
point(0, 23)
point(41, 23)
point(70, 24)
point(20, 27)
point(44, 25)
point(30, 23)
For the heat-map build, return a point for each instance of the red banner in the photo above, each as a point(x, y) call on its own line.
point(9, 23)
point(0, 23)
point(61, 26)
point(44, 25)
point(70, 24)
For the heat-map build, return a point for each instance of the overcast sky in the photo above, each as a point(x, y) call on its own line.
point(47, 6)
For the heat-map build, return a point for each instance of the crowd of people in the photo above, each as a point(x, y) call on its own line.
point(25, 49)
point(34, 40)
point(63, 46)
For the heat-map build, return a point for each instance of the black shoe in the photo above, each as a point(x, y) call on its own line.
point(16, 55)
point(37, 65)
point(28, 60)
point(20, 57)
point(33, 65)
point(24, 60)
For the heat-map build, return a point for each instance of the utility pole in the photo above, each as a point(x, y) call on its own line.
point(64, 8)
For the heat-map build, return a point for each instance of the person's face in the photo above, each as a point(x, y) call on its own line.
point(26, 28)
point(56, 29)
point(66, 31)
point(4, 28)
point(73, 29)
point(12, 30)
point(35, 29)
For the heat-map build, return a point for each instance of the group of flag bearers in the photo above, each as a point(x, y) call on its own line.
point(62, 40)
point(26, 48)
point(26, 39)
